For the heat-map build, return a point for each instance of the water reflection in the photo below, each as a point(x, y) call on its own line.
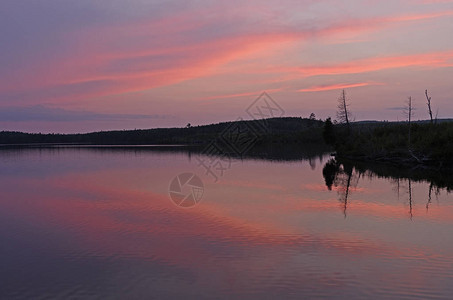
point(274, 152)
point(341, 176)
point(345, 175)
point(98, 223)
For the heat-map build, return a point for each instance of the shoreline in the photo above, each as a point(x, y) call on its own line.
point(401, 161)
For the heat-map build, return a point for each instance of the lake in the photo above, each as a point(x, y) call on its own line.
point(141, 223)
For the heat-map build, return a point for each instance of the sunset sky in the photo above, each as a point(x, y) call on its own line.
point(84, 65)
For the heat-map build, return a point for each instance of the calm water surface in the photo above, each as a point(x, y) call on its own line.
point(99, 224)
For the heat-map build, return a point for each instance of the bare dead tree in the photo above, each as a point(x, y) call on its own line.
point(428, 99)
point(343, 113)
point(409, 112)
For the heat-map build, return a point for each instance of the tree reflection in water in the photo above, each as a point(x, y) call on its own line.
point(344, 176)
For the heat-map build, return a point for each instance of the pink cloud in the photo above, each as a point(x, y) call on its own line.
point(372, 64)
point(228, 96)
point(442, 59)
point(320, 88)
point(137, 56)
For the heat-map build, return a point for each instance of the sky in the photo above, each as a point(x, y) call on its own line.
point(84, 65)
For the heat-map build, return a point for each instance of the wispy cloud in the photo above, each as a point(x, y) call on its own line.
point(320, 88)
point(94, 53)
point(141, 55)
point(431, 60)
point(246, 94)
point(49, 114)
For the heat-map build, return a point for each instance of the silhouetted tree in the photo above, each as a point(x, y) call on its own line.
point(428, 99)
point(328, 132)
point(409, 112)
point(343, 113)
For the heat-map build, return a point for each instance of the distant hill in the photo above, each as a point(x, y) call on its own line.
point(273, 131)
